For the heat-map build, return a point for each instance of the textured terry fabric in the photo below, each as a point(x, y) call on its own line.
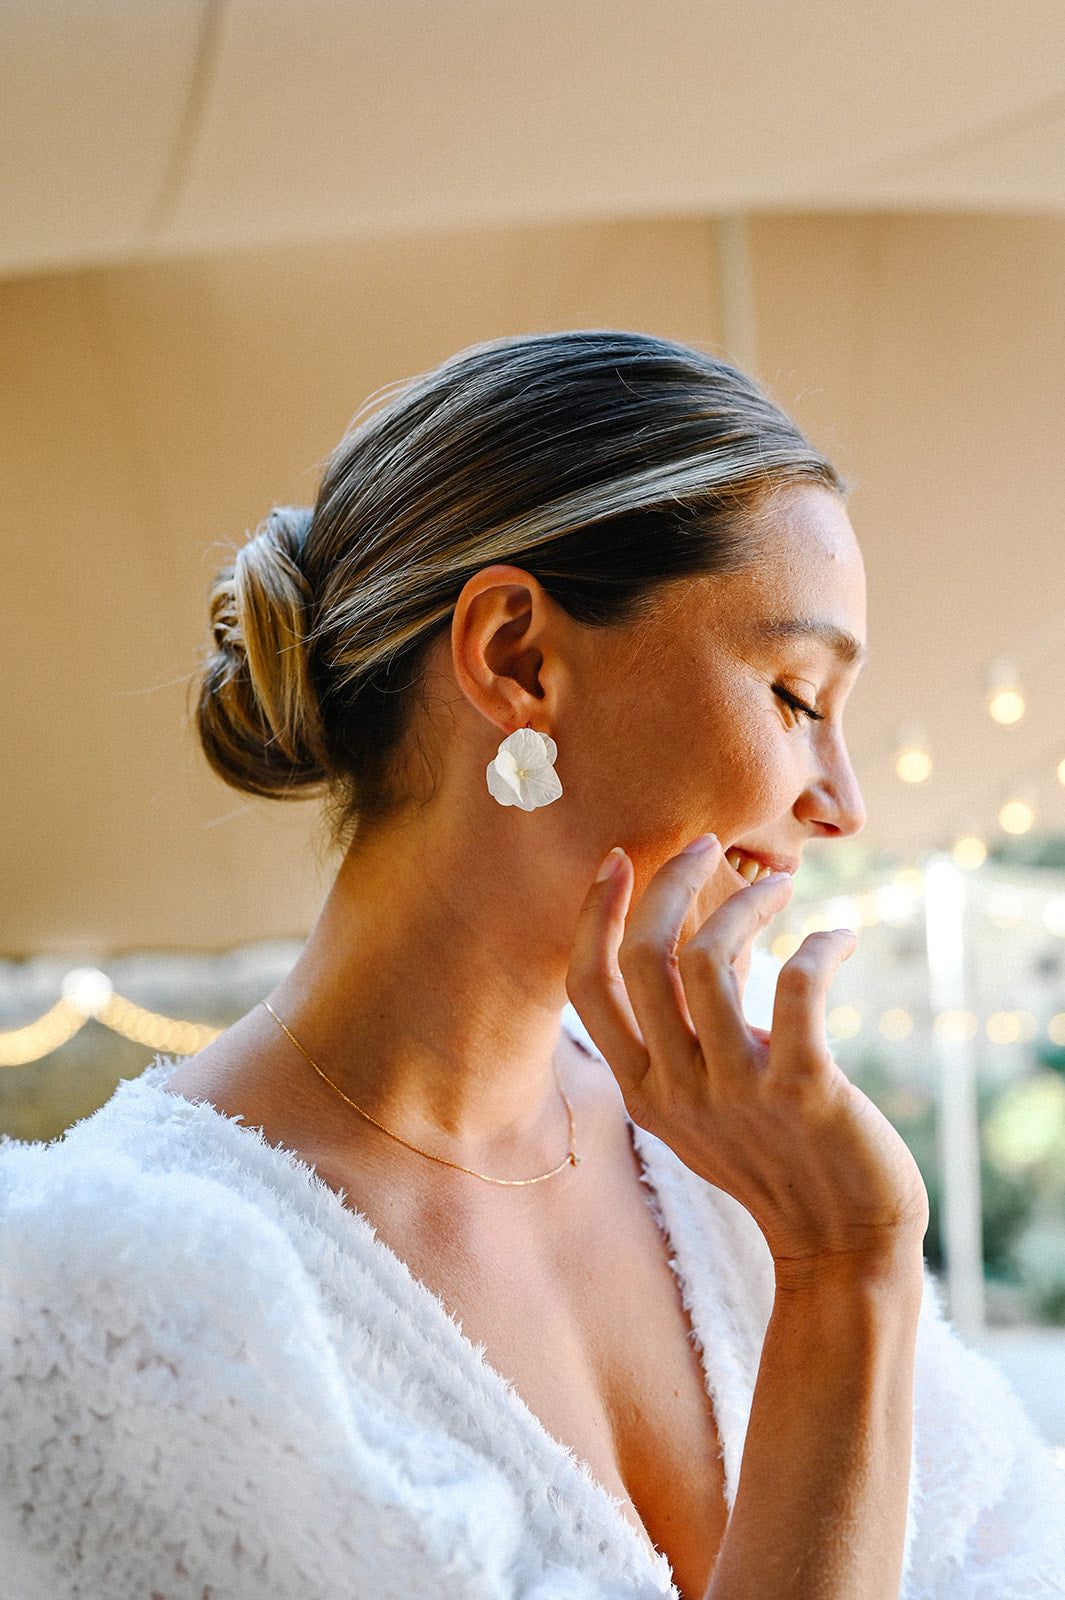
point(216, 1383)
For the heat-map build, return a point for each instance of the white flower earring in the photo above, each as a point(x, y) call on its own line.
point(523, 772)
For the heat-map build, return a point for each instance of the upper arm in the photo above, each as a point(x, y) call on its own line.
point(175, 1421)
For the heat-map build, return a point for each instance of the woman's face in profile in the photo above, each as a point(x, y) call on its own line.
point(723, 713)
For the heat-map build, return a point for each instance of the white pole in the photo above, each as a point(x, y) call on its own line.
point(957, 1129)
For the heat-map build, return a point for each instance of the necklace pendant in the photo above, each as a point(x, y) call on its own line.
point(574, 1159)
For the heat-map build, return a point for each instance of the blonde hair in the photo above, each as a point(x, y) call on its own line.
point(604, 463)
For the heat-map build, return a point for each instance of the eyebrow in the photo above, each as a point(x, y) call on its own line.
point(839, 641)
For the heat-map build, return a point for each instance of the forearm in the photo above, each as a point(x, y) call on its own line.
point(820, 1510)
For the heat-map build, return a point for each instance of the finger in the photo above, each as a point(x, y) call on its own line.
point(711, 962)
point(797, 1046)
point(648, 953)
point(594, 982)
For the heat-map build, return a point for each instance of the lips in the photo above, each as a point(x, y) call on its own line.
point(753, 868)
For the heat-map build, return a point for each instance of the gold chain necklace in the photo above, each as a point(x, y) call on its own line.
point(571, 1158)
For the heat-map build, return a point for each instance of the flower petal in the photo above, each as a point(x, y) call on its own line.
point(523, 773)
point(540, 788)
point(501, 788)
point(527, 748)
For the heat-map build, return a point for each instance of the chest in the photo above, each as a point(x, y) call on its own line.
point(573, 1298)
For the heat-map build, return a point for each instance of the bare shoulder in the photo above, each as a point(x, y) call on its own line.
point(232, 1071)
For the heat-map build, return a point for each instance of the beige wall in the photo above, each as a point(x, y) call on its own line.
point(151, 414)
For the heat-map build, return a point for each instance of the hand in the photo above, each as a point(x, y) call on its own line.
point(768, 1117)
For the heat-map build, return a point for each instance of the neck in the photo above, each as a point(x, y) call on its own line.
point(432, 986)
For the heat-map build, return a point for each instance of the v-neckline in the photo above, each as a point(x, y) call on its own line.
point(430, 1324)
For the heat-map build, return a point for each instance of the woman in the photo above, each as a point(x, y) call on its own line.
point(566, 641)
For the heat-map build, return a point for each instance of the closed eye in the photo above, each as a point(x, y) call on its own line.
point(793, 703)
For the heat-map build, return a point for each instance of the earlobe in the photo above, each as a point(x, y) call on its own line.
point(497, 645)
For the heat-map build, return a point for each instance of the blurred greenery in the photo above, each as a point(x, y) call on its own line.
point(1011, 1198)
point(1030, 850)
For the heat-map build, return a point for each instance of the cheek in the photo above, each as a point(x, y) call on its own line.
point(718, 768)
point(666, 749)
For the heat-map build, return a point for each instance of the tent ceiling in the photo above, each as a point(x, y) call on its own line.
point(128, 130)
point(227, 221)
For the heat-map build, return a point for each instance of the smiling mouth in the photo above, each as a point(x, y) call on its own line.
point(749, 868)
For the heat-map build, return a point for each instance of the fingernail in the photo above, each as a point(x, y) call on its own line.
point(610, 864)
point(705, 841)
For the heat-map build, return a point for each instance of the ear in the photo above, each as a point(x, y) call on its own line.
point(505, 637)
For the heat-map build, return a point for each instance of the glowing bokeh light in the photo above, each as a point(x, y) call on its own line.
point(784, 946)
point(1016, 816)
point(896, 1024)
point(913, 765)
point(88, 989)
point(955, 1027)
point(844, 1022)
point(1006, 706)
point(1011, 1027)
point(970, 852)
point(1056, 1029)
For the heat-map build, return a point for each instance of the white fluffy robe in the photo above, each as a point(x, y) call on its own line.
point(216, 1383)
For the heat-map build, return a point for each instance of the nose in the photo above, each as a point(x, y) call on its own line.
point(831, 805)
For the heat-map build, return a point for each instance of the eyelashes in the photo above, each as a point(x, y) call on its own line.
point(793, 703)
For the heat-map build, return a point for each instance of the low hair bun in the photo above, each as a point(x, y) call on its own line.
point(606, 464)
point(258, 713)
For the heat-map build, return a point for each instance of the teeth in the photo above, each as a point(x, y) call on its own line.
point(750, 871)
point(745, 865)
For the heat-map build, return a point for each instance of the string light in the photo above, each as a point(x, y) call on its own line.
point(784, 946)
point(1000, 694)
point(913, 764)
point(1011, 1027)
point(1016, 816)
point(1006, 706)
point(40, 1038)
point(1005, 702)
point(955, 1027)
point(89, 993)
point(896, 1024)
point(88, 989)
point(155, 1031)
point(913, 760)
point(970, 852)
point(844, 1022)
